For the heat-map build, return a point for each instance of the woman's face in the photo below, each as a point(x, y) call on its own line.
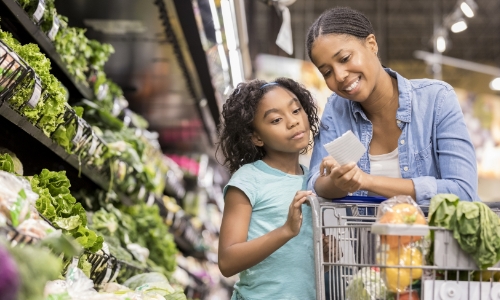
point(350, 66)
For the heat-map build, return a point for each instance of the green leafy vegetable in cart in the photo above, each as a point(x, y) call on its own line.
point(475, 227)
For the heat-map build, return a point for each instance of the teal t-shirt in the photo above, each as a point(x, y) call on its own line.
point(288, 273)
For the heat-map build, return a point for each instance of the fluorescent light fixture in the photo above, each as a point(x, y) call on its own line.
point(495, 84)
point(227, 18)
point(467, 10)
point(236, 67)
point(441, 44)
point(458, 26)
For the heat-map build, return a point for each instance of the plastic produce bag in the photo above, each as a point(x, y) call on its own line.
point(400, 210)
point(400, 250)
point(16, 196)
point(367, 284)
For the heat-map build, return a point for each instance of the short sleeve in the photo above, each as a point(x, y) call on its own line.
point(244, 181)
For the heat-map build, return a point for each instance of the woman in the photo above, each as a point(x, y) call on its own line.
point(414, 130)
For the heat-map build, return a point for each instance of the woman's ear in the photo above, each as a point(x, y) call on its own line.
point(371, 43)
point(256, 140)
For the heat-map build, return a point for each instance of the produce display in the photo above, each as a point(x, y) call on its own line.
point(124, 241)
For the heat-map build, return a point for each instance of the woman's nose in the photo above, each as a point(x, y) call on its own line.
point(341, 74)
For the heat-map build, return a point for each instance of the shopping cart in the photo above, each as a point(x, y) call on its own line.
point(352, 271)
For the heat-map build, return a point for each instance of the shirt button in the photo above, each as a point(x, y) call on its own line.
point(402, 142)
point(398, 121)
point(405, 168)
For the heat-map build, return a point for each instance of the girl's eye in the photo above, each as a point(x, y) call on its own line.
point(345, 58)
point(326, 74)
point(276, 121)
point(297, 110)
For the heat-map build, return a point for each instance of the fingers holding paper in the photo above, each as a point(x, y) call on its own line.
point(349, 177)
point(327, 165)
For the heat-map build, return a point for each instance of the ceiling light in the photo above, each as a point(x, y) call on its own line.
point(441, 44)
point(495, 84)
point(468, 7)
point(466, 10)
point(458, 26)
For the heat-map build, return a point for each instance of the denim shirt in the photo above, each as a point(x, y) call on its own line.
point(435, 150)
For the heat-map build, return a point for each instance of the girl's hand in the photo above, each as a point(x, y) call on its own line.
point(348, 178)
point(294, 221)
point(331, 253)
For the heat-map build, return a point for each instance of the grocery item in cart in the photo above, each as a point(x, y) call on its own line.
point(475, 227)
point(400, 210)
point(399, 279)
point(366, 284)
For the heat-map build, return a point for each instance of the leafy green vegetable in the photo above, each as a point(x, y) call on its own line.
point(154, 282)
point(84, 265)
point(18, 166)
point(6, 163)
point(475, 227)
point(154, 235)
point(48, 112)
point(57, 205)
point(64, 135)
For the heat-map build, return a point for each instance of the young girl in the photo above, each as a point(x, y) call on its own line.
point(266, 233)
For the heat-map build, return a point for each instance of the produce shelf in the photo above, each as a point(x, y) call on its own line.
point(16, 145)
point(15, 20)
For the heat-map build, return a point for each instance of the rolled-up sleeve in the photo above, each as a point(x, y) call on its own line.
point(327, 133)
point(455, 152)
point(425, 189)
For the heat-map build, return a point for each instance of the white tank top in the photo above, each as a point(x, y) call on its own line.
point(385, 165)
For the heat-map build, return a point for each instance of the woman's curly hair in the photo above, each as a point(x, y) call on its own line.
point(238, 114)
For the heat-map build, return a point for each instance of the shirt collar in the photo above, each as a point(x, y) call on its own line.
point(404, 88)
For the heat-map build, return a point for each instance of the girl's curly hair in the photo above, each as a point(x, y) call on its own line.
point(238, 114)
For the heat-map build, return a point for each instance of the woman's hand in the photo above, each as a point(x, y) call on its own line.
point(294, 221)
point(348, 178)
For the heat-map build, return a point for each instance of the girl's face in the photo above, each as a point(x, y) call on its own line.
point(349, 66)
point(280, 123)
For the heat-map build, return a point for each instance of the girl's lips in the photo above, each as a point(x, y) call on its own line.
point(298, 136)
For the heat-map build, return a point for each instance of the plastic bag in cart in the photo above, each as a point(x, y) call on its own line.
point(400, 256)
point(400, 210)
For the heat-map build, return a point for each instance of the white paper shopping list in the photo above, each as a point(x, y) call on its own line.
point(346, 148)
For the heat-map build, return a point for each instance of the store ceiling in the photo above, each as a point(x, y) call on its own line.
point(401, 27)
point(145, 65)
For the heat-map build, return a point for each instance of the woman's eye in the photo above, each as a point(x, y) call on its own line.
point(345, 58)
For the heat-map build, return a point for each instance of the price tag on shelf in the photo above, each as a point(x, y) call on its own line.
point(115, 274)
point(109, 270)
point(79, 132)
point(94, 144)
point(102, 91)
point(37, 93)
point(40, 9)
point(55, 28)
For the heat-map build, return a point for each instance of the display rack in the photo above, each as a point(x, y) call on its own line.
point(16, 20)
point(26, 138)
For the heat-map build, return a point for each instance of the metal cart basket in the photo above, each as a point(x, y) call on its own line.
point(352, 270)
